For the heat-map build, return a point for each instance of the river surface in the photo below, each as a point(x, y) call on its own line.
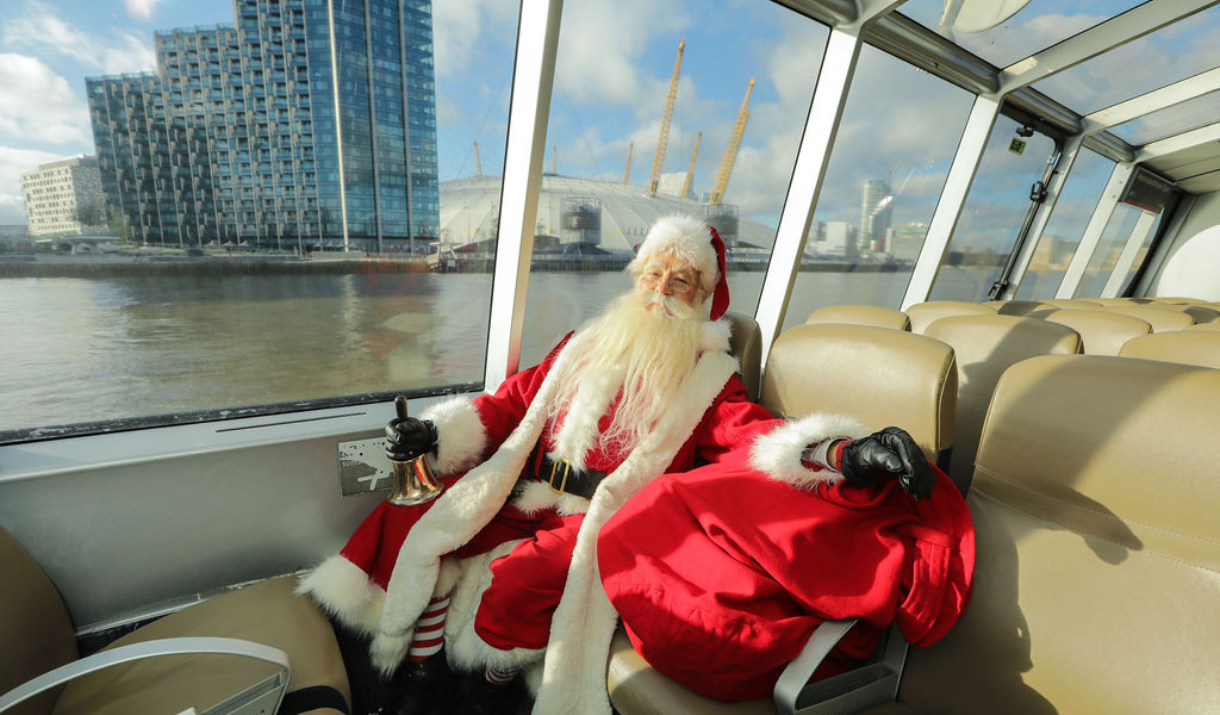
point(78, 350)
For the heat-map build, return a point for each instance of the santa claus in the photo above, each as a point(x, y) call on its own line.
point(499, 574)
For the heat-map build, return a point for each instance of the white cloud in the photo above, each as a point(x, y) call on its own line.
point(37, 105)
point(461, 31)
point(141, 9)
point(13, 163)
point(40, 28)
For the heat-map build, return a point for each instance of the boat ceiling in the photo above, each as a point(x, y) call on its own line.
point(1141, 80)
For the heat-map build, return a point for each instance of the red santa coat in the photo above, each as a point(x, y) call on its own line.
point(382, 581)
point(721, 575)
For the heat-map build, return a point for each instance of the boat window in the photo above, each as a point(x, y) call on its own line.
point(1114, 238)
point(258, 249)
point(994, 211)
point(890, 159)
point(1061, 237)
point(1188, 115)
point(1128, 235)
point(1004, 31)
point(1172, 53)
point(740, 97)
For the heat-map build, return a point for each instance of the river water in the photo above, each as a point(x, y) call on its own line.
point(78, 350)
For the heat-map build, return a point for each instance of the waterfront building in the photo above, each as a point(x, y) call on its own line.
point(306, 123)
point(875, 214)
point(63, 198)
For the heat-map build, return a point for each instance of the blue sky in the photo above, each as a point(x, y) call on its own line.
point(615, 62)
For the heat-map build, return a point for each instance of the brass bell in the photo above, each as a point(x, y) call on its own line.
point(414, 482)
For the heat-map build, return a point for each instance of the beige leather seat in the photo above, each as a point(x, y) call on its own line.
point(1201, 313)
point(1102, 332)
point(1161, 318)
point(986, 346)
point(1021, 307)
point(1094, 505)
point(36, 633)
point(1172, 300)
point(1190, 347)
point(1070, 303)
point(878, 375)
point(924, 314)
point(1205, 327)
point(746, 345)
point(860, 315)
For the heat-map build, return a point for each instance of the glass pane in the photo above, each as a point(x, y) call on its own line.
point(607, 113)
point(994, 211)
point(1142, 254)
point(896, 141)
point(982, 27)
point(246, 226)
point(1192, 114)
point(1176, 52)
point(1113, 239)
point(1063, 231)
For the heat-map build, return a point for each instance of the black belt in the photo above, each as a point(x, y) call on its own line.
point(565, 478)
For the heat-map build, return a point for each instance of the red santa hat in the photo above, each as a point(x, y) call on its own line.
point(697, 244)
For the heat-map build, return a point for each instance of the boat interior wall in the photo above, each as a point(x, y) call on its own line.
point(1188, 347)
point(1083, 532)
point(1190, 263)
point(984, 347)
point(145, 522)
point(843, 368)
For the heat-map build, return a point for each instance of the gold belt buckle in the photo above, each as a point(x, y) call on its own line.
point(567, 469)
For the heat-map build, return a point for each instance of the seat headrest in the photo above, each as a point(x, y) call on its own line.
point(860, 315)
point(1090, 438)
point(924, 314)
point(1193, 347)
point(1102, 331)
point(1161, 318)
point(879, 376)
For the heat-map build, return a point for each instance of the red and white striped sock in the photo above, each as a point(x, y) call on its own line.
point(500, 676)
point(430, 630)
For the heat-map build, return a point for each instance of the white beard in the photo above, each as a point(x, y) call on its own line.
point(646, 354)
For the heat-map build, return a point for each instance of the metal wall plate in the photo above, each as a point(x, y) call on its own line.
point(363, 467)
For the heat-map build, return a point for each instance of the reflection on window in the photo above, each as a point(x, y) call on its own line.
point(1066, 227)
point(260, 205)
point(895, 144)
point(735, 114)
point(993, 214)
point(1188, 115)
point(1153, 61)
point(984, 29)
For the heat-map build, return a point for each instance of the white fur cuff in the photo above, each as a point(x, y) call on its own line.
point(346, 592)
point(779, 452)
point(461, 437)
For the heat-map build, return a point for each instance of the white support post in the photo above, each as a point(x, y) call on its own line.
point(1168, 96)
point(957, 185)
point(1122, 267)
point(1067, 159)
point(533, 77)
point(1092, 233)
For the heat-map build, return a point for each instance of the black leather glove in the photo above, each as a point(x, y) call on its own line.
point(408, 437)
point(885, 455)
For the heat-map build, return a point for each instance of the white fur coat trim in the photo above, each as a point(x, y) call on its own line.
point(778, 452)
point(461, 436)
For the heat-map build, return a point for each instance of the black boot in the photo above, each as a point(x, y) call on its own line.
point(372, 692)
point(482, 697)
point(428, 686)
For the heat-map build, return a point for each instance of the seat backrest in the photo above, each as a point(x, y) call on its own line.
point(1160, 318)
point(1102, 332)
point(1205, 327)
point(860, 315)
point(1189, 347)
point(746, 345)
point(1201, 313)
point(879, 376)
point(1072, 303)
point(986, 346)
point(1098, 548)
point(924, 314)
point(1021, 307)
point(35, 630)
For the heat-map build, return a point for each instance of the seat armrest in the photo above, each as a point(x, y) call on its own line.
point(849, 692)
point(270, 691)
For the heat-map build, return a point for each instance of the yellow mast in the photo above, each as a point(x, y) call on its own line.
point(659, 159)
point(730, 152)
point(690, 170)
point(478, 167)
point(627, 172)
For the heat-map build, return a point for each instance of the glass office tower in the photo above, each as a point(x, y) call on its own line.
point(307, 123)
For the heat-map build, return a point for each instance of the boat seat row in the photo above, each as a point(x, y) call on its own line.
point(254, 649)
